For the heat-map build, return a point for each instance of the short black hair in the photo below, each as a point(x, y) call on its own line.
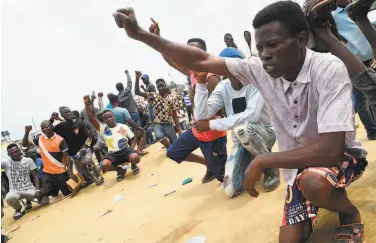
point(288, 13)
point(160, 80)
point(201, 42)
point(246, 31)
point(113, 98)
point(105, 111)
point(119, 86)
point(12, 145)
point(228, 34)
point(109, 95)
point(63, 108)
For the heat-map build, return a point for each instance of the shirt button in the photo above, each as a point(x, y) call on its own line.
point(295, 126)
point(295, 102)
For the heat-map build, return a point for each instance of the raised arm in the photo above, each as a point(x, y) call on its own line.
point(189, 58)
point(100, 101)
point(90, 114)
point(129, 81)
point(137, 90)
point(25, 139)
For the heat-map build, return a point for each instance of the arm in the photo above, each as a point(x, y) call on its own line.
point(25, 139)
point(129, 81)
point(137, 90)
point(100, 103)
point(68, 163)
point(176, 120)
point(34, 174)
point(252, 113)
point(89, 111)
point(206, 107)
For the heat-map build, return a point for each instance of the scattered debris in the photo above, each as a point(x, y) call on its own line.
point(13, 229)
point(152, 174)
point(197, 239)
point(106, 212)
point(186, 181)
point(171, 192)
point(153, 185)
point(38, 216)
point(108, 183)
point(118, 198)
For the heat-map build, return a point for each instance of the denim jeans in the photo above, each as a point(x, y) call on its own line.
point(165, 130)
point(151, 114)
point(149, 135)
point(365, 114)
point(366, 82)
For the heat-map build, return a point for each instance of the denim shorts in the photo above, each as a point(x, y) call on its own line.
point(215, 152)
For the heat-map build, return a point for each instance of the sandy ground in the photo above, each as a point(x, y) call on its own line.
point(146, 215)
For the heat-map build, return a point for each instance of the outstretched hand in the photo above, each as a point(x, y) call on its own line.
point(154, 27)
point(252, 175)
point(126, 18)
point(138, 74)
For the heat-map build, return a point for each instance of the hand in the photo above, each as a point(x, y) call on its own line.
point(142, 87)
point(73, 177)
point(28, 128)
point(100, 94)
point(126, 71)
point(202, 126)
point(154, 27)
point(138, 74)
point(93, 97)
point(252, 175)
point(126, 18)
point(87, 100)
point(55, 116)
point(201, 77)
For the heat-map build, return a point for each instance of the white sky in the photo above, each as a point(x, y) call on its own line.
point(55, 52)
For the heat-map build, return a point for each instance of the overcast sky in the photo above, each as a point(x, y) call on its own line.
point(55, 52)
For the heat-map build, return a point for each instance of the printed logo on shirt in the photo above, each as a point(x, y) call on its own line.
point(123, 143)
point(107, 131)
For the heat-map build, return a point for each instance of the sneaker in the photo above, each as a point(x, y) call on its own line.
point(120, 173)
point(271, 179)
point(209, 176)
point(28, 205)
point(18, 214)
point(359, 8)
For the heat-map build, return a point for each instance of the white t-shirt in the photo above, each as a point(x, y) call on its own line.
point(116, 138)
point(18, 173)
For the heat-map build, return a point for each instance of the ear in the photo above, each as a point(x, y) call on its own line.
point(303, 39)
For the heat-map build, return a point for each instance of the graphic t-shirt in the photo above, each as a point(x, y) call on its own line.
point(18, 173)
point(116, 138)
point(162, 107)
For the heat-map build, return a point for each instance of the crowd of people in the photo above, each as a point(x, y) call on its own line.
point(312, 67)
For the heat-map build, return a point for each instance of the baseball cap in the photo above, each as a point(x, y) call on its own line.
point(145, 76)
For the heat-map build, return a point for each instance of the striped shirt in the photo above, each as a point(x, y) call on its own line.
point(187, 101)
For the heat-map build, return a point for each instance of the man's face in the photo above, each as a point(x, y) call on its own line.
point(229, 41)
point(67, 114)
point(145, 81)
point(343, 3)
point(162, 88)
point(14, 153)
point(247, 36)
point(109, 118)
point(46, 128)
point(279, 52)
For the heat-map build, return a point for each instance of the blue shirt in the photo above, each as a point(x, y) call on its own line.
point(108, 106)
point(356, 41)
point(121, 115)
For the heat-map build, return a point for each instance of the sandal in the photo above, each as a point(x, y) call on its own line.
point(18, 215)
point(135, 169)
point(320, 13)
point(120, 174)
point(352, 233)
point(359, 8)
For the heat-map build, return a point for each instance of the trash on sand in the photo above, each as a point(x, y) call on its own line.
point(153, 185)
point(106, 212)
point(108, 183)
point(197, 239)
point(169, 193)
point(38, 216)
point(186, 181)
point(152, 174)
point(13, 229)
point(118, 198)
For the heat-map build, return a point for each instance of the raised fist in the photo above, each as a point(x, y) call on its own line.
point(100, 94)
point(126, 18)
point(138, 74)
point(28, 128)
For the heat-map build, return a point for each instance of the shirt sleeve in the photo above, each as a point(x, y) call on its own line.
point(32, 165)
point(255, 103)
point(129, 132)
point(247, 71)
point(205, 107)
point(335, 112)
point(63, 146)
point(175, 104)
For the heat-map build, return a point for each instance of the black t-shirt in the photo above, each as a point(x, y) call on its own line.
point(75, 134)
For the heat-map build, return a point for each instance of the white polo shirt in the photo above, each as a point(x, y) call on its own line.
point(318, 101)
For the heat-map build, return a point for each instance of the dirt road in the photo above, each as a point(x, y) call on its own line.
point(146, 215)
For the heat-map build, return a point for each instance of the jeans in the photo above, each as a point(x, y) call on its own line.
point(151, 114)
point(365, 114)
point(149, 135)
point(165, 130)
point(136, 118)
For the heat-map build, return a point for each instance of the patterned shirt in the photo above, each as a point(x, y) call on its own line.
point(162, 107)
point(318, 101)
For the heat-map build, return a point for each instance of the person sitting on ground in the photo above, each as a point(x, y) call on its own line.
point(116, 136)
point(308, 96)
point(163, 105)
point(18, 170)
point(146, 125)
point(56, 162)
point(247, 117)
point(122, 116)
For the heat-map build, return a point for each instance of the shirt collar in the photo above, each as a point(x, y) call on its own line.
point(339, 10)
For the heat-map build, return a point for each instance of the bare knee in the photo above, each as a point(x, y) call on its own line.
point(106, 165)
point(134, 158)
point(315, 188)
point(297, 233)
